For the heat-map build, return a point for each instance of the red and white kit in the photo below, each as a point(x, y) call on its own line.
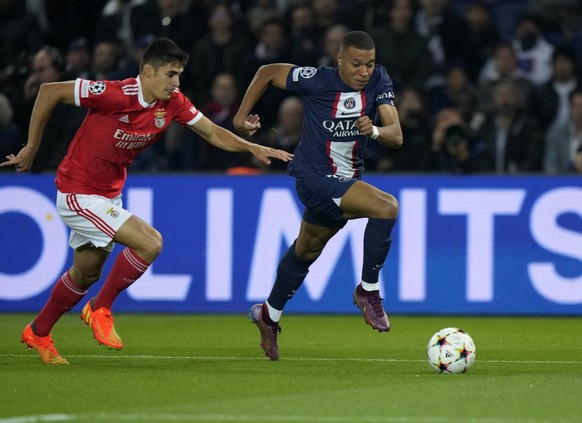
point(119, 125)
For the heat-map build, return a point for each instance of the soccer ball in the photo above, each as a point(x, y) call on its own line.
point(451, 350)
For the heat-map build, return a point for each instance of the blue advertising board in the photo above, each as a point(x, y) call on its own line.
point(462, 245)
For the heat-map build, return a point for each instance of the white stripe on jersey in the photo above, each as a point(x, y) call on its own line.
point(131, 89)
point(341, 155)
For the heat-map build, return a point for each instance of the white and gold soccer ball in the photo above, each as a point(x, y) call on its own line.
point(451, 350)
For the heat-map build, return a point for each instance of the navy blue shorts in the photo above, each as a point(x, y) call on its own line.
point(319, 195)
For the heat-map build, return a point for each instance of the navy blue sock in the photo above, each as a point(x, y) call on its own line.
point(290, 275)
point(377, 241)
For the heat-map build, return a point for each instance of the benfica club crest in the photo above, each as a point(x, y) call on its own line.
point(160, 118)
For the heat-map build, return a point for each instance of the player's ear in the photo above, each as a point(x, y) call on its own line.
point(338, 58)
point(148, 70)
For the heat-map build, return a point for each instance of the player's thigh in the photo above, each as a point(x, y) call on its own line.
point(365, 200)
point(312, 239)
point(93, 219)
point(138, 235)
point(321, 195)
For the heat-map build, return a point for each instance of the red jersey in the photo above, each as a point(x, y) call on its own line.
point(118, 126)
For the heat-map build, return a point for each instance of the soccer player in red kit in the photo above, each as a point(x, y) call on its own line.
point(123, 118)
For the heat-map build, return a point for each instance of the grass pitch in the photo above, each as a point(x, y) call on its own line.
point(209, 368)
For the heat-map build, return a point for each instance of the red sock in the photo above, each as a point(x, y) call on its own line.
point(64, 296)
point(127, 268)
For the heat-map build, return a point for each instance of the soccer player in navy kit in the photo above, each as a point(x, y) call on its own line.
point(341, 104)
point(123, 119)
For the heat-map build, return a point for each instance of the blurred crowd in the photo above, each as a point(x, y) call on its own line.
point(482, 86)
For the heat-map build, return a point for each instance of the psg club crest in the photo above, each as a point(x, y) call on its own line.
point(350, 103)
point(160, 118)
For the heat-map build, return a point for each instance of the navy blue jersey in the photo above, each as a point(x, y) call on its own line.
point(331, 143)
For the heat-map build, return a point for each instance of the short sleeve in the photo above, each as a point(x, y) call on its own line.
point(303, 80)
point(186, 113)
point(103, 95)
point(384, 90)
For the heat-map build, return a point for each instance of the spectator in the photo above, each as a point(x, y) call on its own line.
point(331, 12)
point(221, 110)
point(468, 107)
point(331, 45)
point(287, 132)
point(169, 18)
point(447, 38)
point(131, 66)
point(400, 48)
point(551, 102)
point(272, 47)
point(534, 53)
point(120, 21)
point(502, 66)
point(78, 59)
point(414, 154)
point(564, 140)
point(222, 50)
point(482, 34)
point(563, 17)
point(456, 86)
point(61, 22)
point(578, 161)
point(305, 46)
point(451, 144)
point(106, 59)
point(20, 36)
point(259, 12)
point(512, 140)
point(48, 65)
point(11, 139)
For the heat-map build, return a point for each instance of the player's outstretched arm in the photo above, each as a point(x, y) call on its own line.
point(49, 95)
point(273, 74)
point(226, 140)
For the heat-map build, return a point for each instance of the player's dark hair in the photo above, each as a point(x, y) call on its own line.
point(163, 51)
point(358, 39)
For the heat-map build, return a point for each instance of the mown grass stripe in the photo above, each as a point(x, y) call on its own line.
point(331, 359)
point(201, 418)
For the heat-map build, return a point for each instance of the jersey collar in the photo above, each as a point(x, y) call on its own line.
point(140, 97)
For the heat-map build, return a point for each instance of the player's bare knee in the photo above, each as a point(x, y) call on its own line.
point(385, 207)
point(153, 246)
point(392, 207)
point(84, 278)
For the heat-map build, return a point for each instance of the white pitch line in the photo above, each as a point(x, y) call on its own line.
point(279, 418)
point(314, 359)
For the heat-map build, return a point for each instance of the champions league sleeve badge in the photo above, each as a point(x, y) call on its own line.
point(97, 87)
point(307, 72)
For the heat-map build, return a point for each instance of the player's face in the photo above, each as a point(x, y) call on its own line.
point(356, 66)
point(161, 83)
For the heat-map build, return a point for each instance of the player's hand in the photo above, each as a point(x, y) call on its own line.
point(22, 161)
point(364, 125)
point(264, 153)
point(249, 126)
